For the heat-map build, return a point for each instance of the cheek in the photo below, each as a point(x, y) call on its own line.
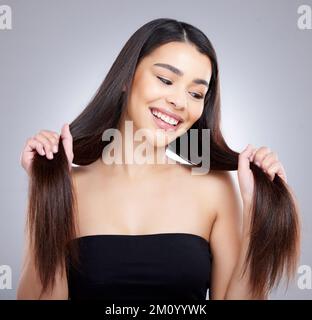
point(149, 92)
point(195, 112)
point(143, 95)
point(146, 90)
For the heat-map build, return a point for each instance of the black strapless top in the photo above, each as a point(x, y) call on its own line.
point(141, 267)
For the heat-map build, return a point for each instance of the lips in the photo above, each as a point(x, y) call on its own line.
point(162, 124)
point(168, 113)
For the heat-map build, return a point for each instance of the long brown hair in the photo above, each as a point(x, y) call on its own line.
point(275, 231)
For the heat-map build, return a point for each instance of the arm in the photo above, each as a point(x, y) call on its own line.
point(238, 287)
point(229, 243)
point(226, 235)
point(29, 287)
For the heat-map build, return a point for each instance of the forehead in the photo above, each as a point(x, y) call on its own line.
point(183, 56)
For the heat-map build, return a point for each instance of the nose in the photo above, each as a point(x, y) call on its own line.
point(178, 101)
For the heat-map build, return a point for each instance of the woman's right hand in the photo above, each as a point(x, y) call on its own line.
point(46, 143)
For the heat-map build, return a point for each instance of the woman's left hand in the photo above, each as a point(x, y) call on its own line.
point(265, 159)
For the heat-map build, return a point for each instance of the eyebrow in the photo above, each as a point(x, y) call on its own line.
point(180, 73)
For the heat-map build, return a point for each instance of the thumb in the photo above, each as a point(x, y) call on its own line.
point(67, 141)
point(244, 158)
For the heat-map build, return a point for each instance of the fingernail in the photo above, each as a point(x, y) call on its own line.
point(50, 155)
point(54, 148)
point(257, 163)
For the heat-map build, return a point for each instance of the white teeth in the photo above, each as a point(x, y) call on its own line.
point(165, 118)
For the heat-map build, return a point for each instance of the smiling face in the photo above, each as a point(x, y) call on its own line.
point(168, 90)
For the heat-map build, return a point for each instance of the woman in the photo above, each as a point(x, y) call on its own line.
point(148, 230)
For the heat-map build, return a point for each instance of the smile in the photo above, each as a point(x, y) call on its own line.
point(164, 121)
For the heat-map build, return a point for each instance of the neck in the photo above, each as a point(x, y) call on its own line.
point(132, 154)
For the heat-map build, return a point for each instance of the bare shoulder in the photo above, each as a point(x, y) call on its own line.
point(220, 189)
point(227, 195)
point(79, 173)
point(226, 231)
point(223, 184)
point(82, 175)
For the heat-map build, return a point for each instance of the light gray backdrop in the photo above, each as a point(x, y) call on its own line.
point(58, 52)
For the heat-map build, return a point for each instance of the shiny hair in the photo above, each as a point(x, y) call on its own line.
point(275, 232)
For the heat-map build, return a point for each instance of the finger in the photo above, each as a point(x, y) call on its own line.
point(277, 168)
point(55, 134)
point(253, 154)
point(268, 160)
point(32, 145)
point(53, 140)
point(67, 140)
point(244, 156)
point(46, 144)
point(260, 154)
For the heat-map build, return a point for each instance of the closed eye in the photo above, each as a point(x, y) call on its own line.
point(165, 81)
point(168, 82)
point(197, 96)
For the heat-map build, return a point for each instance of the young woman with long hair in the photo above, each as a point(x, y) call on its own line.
point(147, 230)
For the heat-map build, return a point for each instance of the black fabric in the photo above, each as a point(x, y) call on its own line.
point(141, 267)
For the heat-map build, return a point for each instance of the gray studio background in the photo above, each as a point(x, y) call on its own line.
point(58, 52)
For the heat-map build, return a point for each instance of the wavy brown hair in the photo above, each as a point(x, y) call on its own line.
point(275, 232)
